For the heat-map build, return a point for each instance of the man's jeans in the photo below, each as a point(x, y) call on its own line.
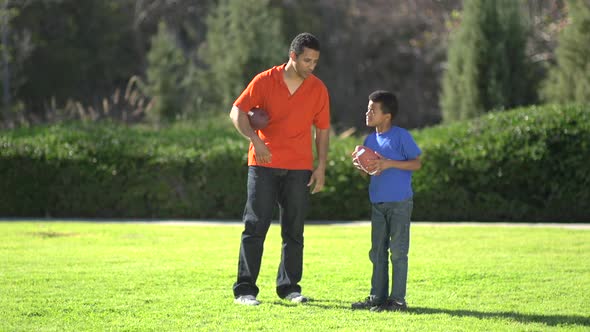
point(266, 188)
point(390, 230)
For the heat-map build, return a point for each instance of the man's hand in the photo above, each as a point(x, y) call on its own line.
point(261, 152)
point(318, 176)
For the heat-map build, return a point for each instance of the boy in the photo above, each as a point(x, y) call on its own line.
point(390, 193)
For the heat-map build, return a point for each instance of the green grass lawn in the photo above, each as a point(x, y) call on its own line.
point(151, 277)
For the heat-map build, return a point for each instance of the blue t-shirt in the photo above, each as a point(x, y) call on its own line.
point(393, 184)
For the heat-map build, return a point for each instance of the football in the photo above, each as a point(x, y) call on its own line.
point(258, 118)
point(361, 157)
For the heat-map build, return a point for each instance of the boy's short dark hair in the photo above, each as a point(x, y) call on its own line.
point(302, 40)
point(387, 100)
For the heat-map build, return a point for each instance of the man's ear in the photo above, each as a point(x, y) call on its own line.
point(292, 56)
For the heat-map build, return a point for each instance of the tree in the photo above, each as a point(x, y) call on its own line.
point(80, 50)
point(166, 68)
point(243, 38)
point(569, 80)
point(14, 48)
point(487, 65)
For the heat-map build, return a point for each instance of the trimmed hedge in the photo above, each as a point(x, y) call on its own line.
point(106, 170)
point(529, 164)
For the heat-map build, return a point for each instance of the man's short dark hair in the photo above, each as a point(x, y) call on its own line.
point(303, 40)
point(387, 100)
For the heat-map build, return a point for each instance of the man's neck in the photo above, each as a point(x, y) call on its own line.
point(290, 73)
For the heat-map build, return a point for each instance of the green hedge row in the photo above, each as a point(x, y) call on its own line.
point(106, 170)
point(529, 164)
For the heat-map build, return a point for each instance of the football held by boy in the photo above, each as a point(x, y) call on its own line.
point(390, 194)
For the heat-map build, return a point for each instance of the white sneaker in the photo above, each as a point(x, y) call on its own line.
point(247, 300)
point(296, 297)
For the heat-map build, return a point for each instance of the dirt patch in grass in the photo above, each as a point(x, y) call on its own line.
point(48, 234)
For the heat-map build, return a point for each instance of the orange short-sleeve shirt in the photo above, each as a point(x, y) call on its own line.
point(288, 135)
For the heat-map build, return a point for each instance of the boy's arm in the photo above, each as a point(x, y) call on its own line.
point(382, 164)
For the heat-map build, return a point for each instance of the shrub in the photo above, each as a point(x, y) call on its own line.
point(106, 170)
point(526, 164)
point(529, 164)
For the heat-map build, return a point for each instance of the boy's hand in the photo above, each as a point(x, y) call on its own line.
point(377, 165)
point(356, 163)
point(372, 168)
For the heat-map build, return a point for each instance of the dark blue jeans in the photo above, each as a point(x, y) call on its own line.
point(268, 187)
point(390, 231)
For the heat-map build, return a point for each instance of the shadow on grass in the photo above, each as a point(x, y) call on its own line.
point(314, 303)
point(552, 320)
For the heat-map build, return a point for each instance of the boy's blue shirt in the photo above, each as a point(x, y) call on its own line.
point(393, 184)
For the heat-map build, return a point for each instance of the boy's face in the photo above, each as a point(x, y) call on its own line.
point(375, 116)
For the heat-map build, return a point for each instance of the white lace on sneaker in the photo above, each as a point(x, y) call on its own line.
point(296, 297)
point(247, 300)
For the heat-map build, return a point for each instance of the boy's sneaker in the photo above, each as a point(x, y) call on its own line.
point(247, 300)
point(397, 306)
point(380, 307)
point(390, 305)
point(368, 303)
point(296, 297)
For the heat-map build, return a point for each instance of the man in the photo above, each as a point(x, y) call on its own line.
point(280, 164)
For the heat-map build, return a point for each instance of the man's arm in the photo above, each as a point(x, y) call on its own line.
point(322, 143)
point(242, 124)
point(240, 121)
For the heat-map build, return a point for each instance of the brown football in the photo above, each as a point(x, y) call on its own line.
point(363, 154)
point(258, 118)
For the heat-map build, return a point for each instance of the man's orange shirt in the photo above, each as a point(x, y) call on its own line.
point(288, 134)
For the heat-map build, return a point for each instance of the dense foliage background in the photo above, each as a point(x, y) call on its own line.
point(528, 164)
point(118, 108)
point(72, 59)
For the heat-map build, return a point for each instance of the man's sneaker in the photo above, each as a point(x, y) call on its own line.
point(247, 300)
point(368, 303)
point(296, 297)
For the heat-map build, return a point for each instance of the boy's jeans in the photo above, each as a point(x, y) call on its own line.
point(390, 230)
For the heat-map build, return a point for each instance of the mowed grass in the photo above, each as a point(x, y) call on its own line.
point(152, 277)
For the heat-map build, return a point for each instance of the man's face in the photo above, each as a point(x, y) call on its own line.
point(375, 116)
point(305, 63)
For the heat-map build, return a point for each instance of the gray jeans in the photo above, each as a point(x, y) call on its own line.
point(390, 231)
